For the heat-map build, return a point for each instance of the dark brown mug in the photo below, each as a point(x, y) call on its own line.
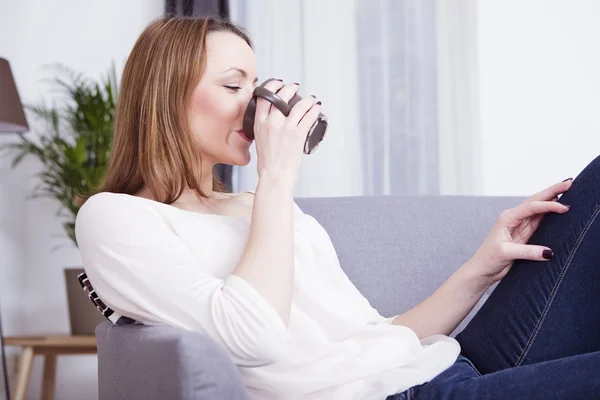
point(316, 133)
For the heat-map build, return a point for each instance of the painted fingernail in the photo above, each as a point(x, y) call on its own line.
point(319, 103)
point(280, 80)
point(296, 84)
point(313, 96)
point(547, 254)
point(568, 179)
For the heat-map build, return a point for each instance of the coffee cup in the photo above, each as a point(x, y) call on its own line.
point(316, 133)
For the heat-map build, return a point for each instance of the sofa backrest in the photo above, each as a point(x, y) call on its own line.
point(398, 249)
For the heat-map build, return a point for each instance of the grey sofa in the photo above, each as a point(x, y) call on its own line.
point(396, 250)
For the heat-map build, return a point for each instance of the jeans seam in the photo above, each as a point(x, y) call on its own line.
point(473, 366)
point(557, 285)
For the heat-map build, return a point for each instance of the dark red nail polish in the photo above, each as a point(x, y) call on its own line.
point(280, 80)
point(313, 96)
point(319, 103)
point(547, 254)
point(296, 84)
point(568, 179)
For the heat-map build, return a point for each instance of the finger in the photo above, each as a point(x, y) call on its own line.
point(263, 106)
point(310, 117)
point(299, 109)
point(286, 94)
point(552, 191)
point(515, 251)
point(532, 208)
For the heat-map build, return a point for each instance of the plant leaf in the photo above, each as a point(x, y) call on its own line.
point(72, 140)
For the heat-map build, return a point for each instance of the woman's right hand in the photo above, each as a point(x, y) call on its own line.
point(279, 139)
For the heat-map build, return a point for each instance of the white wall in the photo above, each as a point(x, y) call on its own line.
point(87, 36)
point(539, 64)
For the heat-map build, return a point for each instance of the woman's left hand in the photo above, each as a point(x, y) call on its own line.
point(506, 242)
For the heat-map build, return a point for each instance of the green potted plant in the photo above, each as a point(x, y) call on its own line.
point(73, 141)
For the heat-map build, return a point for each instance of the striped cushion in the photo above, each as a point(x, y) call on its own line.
point(111, 315)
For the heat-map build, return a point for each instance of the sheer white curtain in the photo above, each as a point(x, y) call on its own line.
point(398, 90)
point(458, 98)
point(311, 42)
point(374, 64)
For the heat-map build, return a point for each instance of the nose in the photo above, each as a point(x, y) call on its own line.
point(247, 95)
point(245, 99)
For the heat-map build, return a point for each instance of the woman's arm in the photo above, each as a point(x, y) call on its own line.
point(506, 242)
point(142, 269)
point(268, 260)
point(448, 305)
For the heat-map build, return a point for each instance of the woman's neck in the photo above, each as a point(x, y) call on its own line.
point(189, 196)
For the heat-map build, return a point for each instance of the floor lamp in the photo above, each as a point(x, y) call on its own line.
point(12, 120)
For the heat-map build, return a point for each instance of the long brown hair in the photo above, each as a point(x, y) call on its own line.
point(153, 145)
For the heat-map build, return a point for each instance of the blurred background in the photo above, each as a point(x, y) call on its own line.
point(424, 97)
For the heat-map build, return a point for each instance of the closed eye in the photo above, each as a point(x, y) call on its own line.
point(233, 88)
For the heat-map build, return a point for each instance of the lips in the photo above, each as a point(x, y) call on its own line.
point(241, 132)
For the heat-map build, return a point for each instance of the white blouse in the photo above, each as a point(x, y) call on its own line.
point(159, 264)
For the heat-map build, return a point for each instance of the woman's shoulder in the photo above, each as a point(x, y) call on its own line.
point(107, 203)
point(113, 220)
point(114, 211)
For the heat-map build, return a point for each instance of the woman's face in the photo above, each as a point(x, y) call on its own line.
point(218, 103)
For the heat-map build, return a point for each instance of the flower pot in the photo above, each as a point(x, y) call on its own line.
point(84, 317)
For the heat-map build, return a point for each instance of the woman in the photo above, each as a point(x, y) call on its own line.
point(163, 244)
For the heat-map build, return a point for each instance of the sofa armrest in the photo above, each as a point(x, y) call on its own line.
point(162, 362)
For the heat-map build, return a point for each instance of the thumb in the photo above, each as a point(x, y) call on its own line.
point(515, 251)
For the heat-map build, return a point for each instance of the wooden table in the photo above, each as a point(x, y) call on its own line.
point(49, 347)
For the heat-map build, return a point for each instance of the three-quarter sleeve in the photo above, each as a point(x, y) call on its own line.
point(140, 268)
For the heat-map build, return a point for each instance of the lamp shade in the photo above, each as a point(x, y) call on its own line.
point(12, 117)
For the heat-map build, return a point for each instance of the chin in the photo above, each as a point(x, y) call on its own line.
point(246, 160)
point(241, 159)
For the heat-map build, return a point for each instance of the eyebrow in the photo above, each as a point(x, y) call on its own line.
point(241, 71)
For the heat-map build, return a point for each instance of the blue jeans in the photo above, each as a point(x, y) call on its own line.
point(538, 335)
